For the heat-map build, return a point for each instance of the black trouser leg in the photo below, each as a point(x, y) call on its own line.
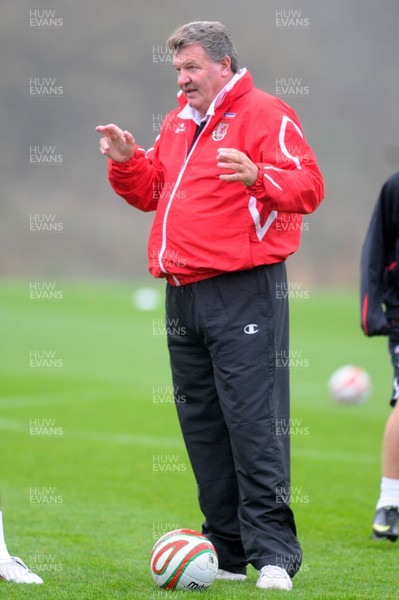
point(236, 393)
point(208, 443)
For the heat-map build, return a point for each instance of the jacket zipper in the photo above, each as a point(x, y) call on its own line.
point(179, 178)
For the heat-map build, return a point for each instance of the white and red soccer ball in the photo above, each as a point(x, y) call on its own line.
point(183, 559)
point(350, 385)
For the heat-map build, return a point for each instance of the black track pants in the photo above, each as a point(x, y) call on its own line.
point(228, 344)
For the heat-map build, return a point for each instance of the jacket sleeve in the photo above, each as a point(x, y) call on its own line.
point(138, 180)
point(377, 252)
point(289, 179)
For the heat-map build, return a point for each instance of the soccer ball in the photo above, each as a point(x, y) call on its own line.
point(146, 298)
point(183, 559)
point(350, 385)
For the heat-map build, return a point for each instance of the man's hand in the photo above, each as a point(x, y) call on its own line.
point(117, 144)
point(244, 169)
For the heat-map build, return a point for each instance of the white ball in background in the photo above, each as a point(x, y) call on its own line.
point(350, 385)
point(146, 298)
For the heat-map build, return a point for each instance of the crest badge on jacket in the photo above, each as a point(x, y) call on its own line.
point(220, 131)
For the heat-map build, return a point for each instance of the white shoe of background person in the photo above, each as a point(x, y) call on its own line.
point(14, 569)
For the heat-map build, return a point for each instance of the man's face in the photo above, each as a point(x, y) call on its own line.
point(199, 78)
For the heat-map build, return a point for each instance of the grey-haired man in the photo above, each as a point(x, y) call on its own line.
point(228, 177)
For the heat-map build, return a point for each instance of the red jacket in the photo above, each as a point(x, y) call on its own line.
point(204, 226)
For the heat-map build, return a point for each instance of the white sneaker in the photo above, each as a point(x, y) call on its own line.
point(274, 578)
point(228, 575)
point(14, 569)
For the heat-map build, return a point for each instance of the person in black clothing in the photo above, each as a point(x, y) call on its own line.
point(380, 316)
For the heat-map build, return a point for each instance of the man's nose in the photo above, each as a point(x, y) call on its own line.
point(183, 79)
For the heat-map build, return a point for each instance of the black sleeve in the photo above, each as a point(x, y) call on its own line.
point(378, 258)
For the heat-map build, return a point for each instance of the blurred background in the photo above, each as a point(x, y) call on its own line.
point(69, 66)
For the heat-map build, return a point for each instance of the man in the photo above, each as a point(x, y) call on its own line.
point(11, 567)
point(380, 316)
point(227, 165)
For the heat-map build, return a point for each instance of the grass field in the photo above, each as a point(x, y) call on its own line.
point(86, 416)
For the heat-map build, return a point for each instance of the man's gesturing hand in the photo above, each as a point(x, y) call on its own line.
point(117, 144)
point(245, 170)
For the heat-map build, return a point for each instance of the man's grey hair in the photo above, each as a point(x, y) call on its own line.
point(211, 35)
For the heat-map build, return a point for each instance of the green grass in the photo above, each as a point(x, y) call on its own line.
point(105, 505)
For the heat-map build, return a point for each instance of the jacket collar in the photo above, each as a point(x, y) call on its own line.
point(240, 83)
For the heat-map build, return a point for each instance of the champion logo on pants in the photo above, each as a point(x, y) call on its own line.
point(251, 328)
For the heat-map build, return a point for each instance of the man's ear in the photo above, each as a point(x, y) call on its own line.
point(225, 65)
